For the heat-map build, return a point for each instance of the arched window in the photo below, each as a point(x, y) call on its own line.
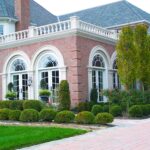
point(98, 61)
point(49, 74)
point(116, 82)
point(48, 61)
point(18, 65)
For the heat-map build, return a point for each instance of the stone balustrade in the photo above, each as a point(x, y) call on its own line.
point(73, 24)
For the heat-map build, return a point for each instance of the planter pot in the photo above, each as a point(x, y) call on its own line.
point(44, 98)
point(11, 98)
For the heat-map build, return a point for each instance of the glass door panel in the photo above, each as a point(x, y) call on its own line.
point(24, 86)
point(97, 82)
point(44, 76)
point(16, 85)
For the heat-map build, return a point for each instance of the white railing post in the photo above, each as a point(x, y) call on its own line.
point(74, 22)
point(31, 31)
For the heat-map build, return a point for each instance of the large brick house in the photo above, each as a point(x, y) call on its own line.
point(78, 47)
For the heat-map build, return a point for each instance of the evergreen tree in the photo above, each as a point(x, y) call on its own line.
point(126, 57)
point(133, 56)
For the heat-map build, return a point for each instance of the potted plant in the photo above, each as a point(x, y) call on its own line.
point(11, 95)
point(44, 93)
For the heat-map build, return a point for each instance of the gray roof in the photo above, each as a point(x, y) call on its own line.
point(112, 14)
point(39, 15)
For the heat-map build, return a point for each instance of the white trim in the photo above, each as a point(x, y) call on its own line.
point(127, 24)
point(11, 57)
point(47, 49)
point(106, 58)
point(99, 50)
point(6, 69)
point(113, 58)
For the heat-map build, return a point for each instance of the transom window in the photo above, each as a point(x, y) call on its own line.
point(98, 61)
point(18, 65)
point(48, 61)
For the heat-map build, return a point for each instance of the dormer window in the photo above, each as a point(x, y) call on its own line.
point(1, 30)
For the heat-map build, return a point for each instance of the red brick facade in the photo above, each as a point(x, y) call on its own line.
point(22, 12)
point(75, 51)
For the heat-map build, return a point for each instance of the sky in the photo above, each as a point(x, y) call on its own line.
point(59, 7)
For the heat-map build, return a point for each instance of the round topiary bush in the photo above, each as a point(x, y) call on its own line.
point(116, 110)
point(135, 111)
point(85, 117)
point(104, 118)
point(32, 104)
point(145, 110)
point(84, 106)
point(64, 95)
point(97, 109)
point(47, 115)
point(64, 117)
point(105, 108)
point(16, 105)
point(4, 114)
point(4, 104)
point(29, 115)
point(14, 115)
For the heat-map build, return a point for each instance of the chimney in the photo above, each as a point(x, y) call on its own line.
point(22, 12)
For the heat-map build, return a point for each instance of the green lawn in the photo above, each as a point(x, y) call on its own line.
point(12, 137)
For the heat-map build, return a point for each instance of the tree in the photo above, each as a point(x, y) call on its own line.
point(133, 56)
point(126, 57)
point(142, 44)
point(64, 96)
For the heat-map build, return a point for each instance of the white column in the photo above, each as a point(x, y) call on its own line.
point(89, 82)
point(31, 31)
point(74, 22)
point(63, 73)
point(4, 86)
point(31, 87)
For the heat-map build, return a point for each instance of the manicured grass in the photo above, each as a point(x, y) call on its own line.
point(12, 137)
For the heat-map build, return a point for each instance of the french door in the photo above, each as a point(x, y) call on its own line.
point(97, 82)
point(20, 84)
point(52, 82)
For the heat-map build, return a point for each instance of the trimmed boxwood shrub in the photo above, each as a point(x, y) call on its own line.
point(4, 104)
point(97, 109)
point(33, 104)
point(29, 115)
point(14, 115)
point(64, 96)
point(106, 108)
point(116, 110)
point(16, 105)
point(85, 117)
point(135, 111)
point(84, 106)
point(4, 114)
point(47, 115)
point(64, 117)
point(104, 118)
point(145, 110)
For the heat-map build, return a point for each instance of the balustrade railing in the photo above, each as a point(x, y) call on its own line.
point(73, 23)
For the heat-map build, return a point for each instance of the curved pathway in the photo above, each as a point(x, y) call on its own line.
point(126, 135)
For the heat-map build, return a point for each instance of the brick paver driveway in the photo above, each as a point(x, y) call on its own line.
point(127, 135)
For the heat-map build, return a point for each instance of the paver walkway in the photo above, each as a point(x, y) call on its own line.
point(126, 135)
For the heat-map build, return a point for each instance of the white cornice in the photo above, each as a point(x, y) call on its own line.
point(126, 24)
point(58, 35)
point(8, 19)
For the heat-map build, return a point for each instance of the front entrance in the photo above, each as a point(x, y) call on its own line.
point(20, 85)
point(97, 82)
